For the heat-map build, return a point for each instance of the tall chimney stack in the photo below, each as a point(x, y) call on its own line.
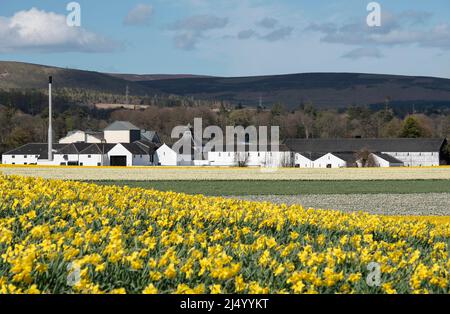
point(50, 130)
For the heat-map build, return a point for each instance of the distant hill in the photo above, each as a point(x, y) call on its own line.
point(322, 89)
point(155, 77)
point(19, 75)
point(330, 90)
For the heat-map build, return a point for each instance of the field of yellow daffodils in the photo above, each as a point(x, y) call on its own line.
point(71, 237)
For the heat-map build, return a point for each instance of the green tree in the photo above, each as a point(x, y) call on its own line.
point(412, 128)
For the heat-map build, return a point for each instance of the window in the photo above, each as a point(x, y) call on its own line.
point(89, 156)
point(13, 157)
point(220, 154)
point(25, 156)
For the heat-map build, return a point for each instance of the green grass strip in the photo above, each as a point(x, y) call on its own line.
point(240, 187)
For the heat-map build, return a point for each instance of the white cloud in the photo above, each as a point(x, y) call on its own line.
point(396, 29)
point(140, 15)
point(40, 31)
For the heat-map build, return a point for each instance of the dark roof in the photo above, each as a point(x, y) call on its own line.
point(147, 146)
point(134, 148)
point(40, 149)
point(121, 126)
point(312, 156)
point(97, 149)
point(349, 158)
point(73, 149)
point(389, 158)
point(373, 145)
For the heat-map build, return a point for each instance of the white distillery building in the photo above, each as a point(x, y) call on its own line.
point(121, 144)
point(249, 156)
point(339, 153)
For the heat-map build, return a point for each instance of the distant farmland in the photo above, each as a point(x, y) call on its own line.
point(214, 174)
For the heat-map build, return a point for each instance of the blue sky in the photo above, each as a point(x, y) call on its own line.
point(230, 37)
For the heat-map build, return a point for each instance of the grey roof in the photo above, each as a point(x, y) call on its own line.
point(151, 136)
point(389, 158)
point(94, 149)
point(373, 145)
point(121, 126)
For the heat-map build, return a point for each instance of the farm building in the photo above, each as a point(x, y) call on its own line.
point(124, 144)
point(120, 144)
point(338, 153)
point(141, 153)
point(251, 156)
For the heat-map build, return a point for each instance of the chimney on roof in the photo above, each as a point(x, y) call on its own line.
point(50, 130)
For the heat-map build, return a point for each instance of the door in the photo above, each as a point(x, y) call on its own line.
point(119, 161)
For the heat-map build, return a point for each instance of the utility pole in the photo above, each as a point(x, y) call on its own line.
point(50, 130)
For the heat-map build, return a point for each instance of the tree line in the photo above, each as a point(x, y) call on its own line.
point(24, 118)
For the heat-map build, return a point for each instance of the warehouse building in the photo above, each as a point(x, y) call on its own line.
point(338, 153)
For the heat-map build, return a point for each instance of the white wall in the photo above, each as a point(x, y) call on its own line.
point(93, 160)
point(58, 159)
point(76, 137)
point(329, 159)
point(19, 159)
point(92, 139)
point(165, 156)
point(120, 150)
point(79, 137)
point(115, 137)
point(251, 159)
point(219, 159)
point(303, 162)
point(382, 163)
point(417, 159)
